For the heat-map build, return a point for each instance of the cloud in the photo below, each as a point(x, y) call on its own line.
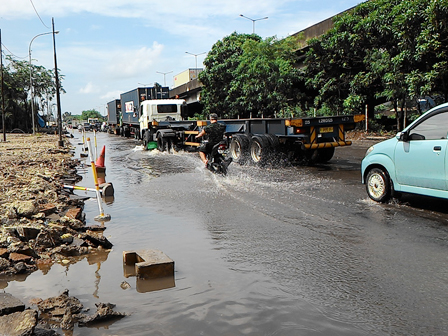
point(88, 88)
point(130, 63)
point(175, 9)
point(111, 95)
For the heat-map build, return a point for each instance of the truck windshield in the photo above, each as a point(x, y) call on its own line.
point(172, 108)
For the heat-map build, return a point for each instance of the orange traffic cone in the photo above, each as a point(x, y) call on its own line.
point(100, 160)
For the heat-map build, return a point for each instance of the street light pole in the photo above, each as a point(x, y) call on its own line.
point(58, 98)
point(253, 21)
point(31, 78)
point(196, 59)
point(164, 76)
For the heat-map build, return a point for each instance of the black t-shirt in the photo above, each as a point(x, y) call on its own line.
point(215, 132)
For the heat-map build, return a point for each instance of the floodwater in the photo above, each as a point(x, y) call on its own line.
point(263, 251)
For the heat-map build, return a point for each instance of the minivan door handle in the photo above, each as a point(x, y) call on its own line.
point(437, 148)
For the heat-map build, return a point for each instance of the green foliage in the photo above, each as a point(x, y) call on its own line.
point(382, 50)
point(246, 76)
point(91, 114)
point(221, 63)
point(17, 92)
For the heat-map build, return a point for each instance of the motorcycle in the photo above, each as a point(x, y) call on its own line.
point(218, 160)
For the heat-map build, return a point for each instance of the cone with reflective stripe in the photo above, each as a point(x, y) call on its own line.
point(100, 160)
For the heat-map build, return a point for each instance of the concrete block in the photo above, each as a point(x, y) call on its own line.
point(149, 264)
point(107, 189)
point(74, 213)
point(48, 208)
point(19, 324)
point(28, 232)
point(17, 257)
point(9, 304)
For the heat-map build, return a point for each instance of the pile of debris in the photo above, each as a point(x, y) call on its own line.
point(40, 222)
point(62, 312)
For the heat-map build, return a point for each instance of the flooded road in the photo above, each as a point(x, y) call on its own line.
point(287, 251)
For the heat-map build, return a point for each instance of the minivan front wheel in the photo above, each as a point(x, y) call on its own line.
point(378, 185)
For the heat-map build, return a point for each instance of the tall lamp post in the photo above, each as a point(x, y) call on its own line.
point(253, 21)
point(196, 59)
point(164, 76)
point(31, 78)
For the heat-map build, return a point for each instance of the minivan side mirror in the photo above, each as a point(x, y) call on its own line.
point(404, 136)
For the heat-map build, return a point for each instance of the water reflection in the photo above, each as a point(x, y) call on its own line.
point(45, 266)
point(109, 200)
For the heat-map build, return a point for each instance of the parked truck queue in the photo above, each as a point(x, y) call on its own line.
point(163, 124)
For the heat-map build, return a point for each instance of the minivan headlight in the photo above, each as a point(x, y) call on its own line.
point(369, 150)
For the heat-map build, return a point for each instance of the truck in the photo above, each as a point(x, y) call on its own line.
point(123, 114)
point(113, 116)
point(258, 140)
point(162, 124)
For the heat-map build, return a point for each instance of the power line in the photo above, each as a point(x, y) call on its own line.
point(38, 14)
point(12, 53)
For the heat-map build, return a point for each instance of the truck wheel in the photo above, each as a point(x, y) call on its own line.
point(163, 144)
point(259, 149)
point(239, 147)
point(160, 143)
point(168, 144)
point(146, 139)
point(325, 154)
point(378, 185)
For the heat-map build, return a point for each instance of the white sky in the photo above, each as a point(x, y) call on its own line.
point(107, 47)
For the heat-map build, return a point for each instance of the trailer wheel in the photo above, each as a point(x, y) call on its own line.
point(239, 147)
point(378, 185)
point(325, 154)
point(259, 149)
point(273, 140)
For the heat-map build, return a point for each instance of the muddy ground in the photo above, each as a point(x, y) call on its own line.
point(41, 222)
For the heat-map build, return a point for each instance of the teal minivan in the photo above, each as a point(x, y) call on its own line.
point(414, 161)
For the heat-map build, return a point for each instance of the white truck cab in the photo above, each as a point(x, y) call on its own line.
point(160, 110)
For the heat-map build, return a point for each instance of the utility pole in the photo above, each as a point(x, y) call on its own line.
point(58, 98)
point(3, 93)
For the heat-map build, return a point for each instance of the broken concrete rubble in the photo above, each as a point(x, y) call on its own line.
point(60, 312)
point(39, 221)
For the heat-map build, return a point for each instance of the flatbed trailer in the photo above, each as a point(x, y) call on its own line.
point(305, 140)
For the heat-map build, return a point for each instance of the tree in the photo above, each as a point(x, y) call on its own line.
point(217, 78)
point(17, 88)
point(264, 83)
point(247, 76)
point(383, 50)
point(337, 64)
point(91, 114)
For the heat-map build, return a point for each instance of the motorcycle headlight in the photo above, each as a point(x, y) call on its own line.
point(369, 150)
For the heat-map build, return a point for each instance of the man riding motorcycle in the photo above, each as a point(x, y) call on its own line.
point(215, 132)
